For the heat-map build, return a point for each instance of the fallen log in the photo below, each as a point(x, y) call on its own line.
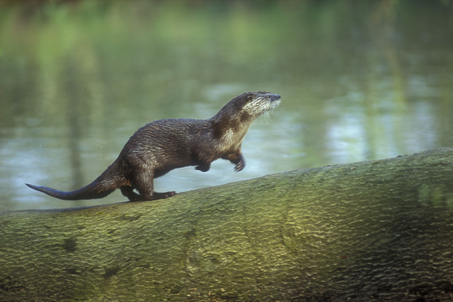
point(370, 231)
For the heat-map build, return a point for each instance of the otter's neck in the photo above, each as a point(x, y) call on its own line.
point(230, 129)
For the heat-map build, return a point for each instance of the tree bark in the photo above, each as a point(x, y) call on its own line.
point(370, 231)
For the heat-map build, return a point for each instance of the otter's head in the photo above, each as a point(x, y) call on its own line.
point(249, 105)
point(237, 116)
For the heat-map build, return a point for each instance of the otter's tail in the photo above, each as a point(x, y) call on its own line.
point(99, 188)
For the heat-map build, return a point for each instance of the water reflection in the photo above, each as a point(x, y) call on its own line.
point(359, 80)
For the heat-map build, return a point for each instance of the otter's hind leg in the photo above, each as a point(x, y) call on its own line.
point(129, 193)
point(144, 182)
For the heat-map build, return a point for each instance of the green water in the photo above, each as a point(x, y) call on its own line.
point(359, 80)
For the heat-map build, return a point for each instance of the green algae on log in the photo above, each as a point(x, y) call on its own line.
point(351, 232)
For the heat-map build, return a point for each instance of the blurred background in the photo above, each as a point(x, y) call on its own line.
point(359, 80)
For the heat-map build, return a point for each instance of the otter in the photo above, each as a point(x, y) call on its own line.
point(164, 145)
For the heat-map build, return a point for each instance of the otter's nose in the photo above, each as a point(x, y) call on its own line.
point(275, 97)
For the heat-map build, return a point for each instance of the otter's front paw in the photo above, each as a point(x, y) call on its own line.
point(239, 166)
point(203, 168)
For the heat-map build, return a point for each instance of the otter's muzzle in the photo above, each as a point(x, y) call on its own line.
point(275, 97)
point(275, 100)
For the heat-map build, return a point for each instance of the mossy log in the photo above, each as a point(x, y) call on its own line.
point(369, 231)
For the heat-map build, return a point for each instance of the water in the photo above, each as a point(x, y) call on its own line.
point(359, 80)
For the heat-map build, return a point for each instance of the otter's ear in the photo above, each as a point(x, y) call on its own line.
point(251, 97)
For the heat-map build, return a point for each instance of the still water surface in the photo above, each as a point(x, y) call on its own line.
point(359, 80)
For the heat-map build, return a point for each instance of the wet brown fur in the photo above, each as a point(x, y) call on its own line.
point(164, 145)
